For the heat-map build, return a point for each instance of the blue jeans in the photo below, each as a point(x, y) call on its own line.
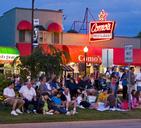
point(138, 88)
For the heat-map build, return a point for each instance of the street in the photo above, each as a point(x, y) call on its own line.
point(80, 124)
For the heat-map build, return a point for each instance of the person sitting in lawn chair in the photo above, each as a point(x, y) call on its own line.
point(10, 98)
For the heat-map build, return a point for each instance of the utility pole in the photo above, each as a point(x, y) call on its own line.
point(32, 21)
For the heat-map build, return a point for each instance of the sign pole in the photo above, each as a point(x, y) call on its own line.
point(107, 58)
point(129, 90)
point(129, 59)
point(32, 31)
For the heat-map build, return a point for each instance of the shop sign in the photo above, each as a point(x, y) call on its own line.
point(36, 33)
point(107, 57)
point(128, 53)
point(90, 59)
point(8, 57)
point(101, 30)
point(36, 22)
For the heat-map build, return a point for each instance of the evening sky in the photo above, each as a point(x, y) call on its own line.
point(126, 13)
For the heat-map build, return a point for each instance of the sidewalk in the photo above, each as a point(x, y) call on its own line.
point(130, 123)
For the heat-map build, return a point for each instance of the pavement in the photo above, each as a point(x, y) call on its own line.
point(131, 123)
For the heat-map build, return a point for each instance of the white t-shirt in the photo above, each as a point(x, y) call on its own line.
point(138, 77)
point(27, 93)
point(9, 92)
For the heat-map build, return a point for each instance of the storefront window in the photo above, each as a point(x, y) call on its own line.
point(41, 37)
point(21, 36)
point(56, 38)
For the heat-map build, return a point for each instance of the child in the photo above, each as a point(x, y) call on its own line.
point(134, 98)
point(57, 106)
point(124, 104)
point(43, 106)
point(111, 100)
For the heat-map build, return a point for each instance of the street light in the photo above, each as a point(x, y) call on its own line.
point(85, 54)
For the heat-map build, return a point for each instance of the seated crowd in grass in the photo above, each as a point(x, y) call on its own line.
point(52, 96)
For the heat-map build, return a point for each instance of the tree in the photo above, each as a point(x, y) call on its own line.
point(139, 35)
point(50, 62)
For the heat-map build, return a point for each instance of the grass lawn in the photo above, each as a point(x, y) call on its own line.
point(83, 114)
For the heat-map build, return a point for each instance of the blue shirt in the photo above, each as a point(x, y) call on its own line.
point(56, 100)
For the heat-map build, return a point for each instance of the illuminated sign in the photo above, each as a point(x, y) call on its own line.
point(128, 53)
point(102, 29)
point(9, 57)
point(90, 59)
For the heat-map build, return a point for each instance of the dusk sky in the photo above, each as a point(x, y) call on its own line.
point(126, 13)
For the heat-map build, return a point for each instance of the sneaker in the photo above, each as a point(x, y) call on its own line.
point(19, 111)
point(14, 113)
point(112, 109)
point(68, 113)
point(81, 107)
point(28, 111)
point(74, 112)
point(34, 111)
point(49, 113)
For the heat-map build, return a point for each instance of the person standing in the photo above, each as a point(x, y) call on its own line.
point(116, 74)
point(131, 76)
point(124, 80)
point(96, 77)
point(138, 81)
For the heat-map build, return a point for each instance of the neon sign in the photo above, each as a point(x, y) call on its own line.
point(92, 59)
point(102, 29)
point(102, 15)
point(9, 57)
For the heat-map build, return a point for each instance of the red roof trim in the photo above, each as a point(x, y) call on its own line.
point(54, 27)
point(24, 25)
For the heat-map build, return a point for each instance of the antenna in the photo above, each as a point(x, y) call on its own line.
point(83, 26)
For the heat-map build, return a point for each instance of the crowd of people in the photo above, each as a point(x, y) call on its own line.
point(65, 95)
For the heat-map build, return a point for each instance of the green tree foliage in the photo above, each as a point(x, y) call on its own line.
point(49, 63)
point(139, 35)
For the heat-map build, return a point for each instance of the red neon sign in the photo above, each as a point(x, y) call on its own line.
point(102, 29)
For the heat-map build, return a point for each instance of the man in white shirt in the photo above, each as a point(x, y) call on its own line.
point(11, 99)
point(29, 95)
point(138, 81)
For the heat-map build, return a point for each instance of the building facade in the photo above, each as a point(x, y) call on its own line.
point(16, 29)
